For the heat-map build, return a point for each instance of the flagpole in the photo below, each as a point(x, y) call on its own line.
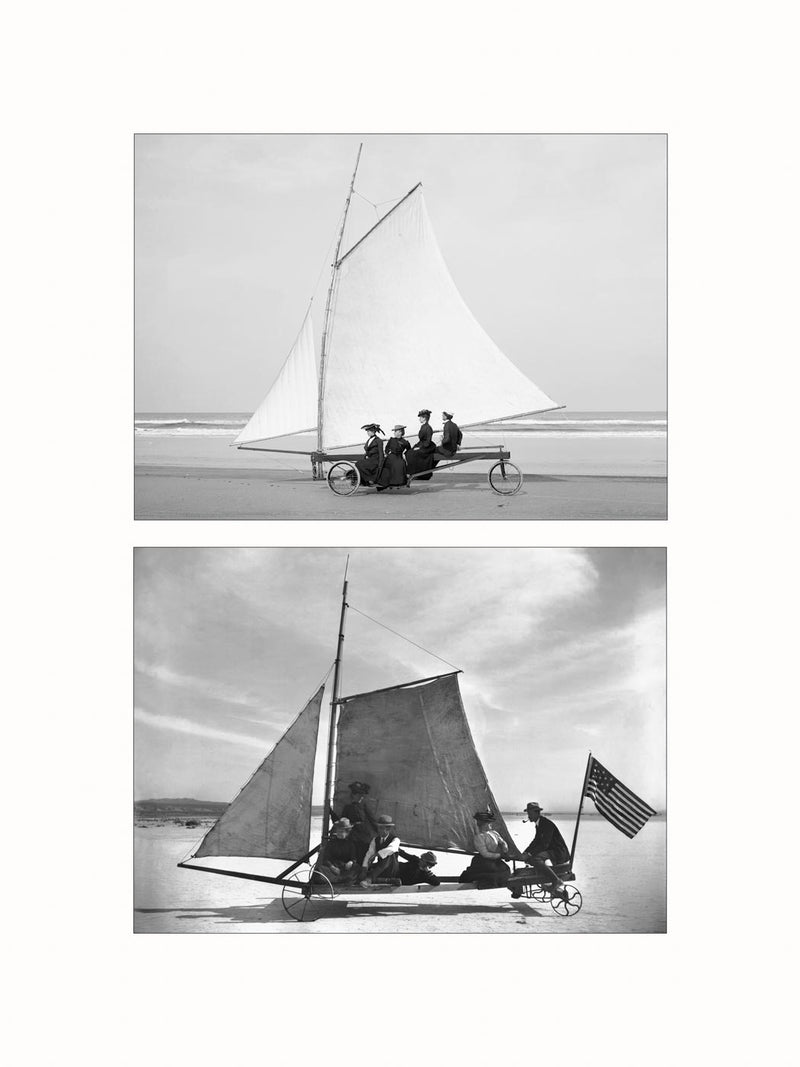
point(580, 809)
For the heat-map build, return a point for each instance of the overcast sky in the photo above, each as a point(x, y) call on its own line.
point(563, 651)
point(556, 243)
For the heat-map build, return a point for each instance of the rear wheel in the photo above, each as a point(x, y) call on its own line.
point(505, 478)
point(304, 902)
point(569, 906)
point(343, 478)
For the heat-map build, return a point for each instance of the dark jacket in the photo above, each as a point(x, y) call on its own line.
point(451, 438)
point(372, 461)
point(425, 443)
point(394, 464)
point(548, 839)
point(412, 874)
point(339, 851)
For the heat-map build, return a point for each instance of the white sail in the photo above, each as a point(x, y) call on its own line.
point(271, 816)
point(291, 404)
point(402, 338)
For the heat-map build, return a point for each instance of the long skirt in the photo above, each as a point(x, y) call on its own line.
point(394, 471)
point(368, 469)
point(486, 872)
point(420, 461)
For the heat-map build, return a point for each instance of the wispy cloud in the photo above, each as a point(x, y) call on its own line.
point(186, 726)
point(215, 690)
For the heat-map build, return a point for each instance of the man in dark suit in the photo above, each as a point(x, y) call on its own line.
point(451, 438)
point(546, 849)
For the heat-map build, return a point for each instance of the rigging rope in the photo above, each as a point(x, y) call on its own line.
point(404, 638)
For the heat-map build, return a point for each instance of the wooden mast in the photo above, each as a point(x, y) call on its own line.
point(328, 303)
point(331, 764)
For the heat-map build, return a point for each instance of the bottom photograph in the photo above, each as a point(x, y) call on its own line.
point(400, 740)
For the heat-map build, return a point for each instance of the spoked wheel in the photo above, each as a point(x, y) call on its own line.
point(343, 478)
point(505, 478)
point(303, 903)
point(569, 906)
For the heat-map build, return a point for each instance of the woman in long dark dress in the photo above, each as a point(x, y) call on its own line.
point(488, 866)
point(369, 466)
point(420, 457)
point(394, 464)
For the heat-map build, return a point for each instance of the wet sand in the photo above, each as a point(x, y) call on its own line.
point(177, 492)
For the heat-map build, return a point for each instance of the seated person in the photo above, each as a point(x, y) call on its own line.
point(372, 461)
point(546, 849)
point(418, 869)
point(380, 864)
point(393, 471)
point(451, 438)
point(359, 814)
point(488, 866)
point(338, 860)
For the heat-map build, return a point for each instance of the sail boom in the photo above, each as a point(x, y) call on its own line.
point(392, 688)
point(510, 418)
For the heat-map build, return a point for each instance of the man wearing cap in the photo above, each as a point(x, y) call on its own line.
point(380, 863)
point(451, 438)
point(361, 818)
point(418, 869)
point(420, 457)
point(372, 461)
point(338, 860)
point(546, 848)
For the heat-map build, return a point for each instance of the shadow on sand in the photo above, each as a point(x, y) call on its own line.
point(272, 911)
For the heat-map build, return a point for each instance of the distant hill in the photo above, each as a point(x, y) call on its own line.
point(178, 808)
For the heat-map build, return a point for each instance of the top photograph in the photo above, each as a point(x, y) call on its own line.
point(400, 326)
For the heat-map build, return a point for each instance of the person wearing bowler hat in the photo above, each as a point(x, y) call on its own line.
point(372, 461)
point(380, 864)
point(488, 867)
point(393, 471)
point(451, 439)
point(338, 860)
point(546, 849)
point(361, 818)
point(418, 869)
point(420, 457)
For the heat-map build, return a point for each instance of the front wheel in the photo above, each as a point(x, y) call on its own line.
point(344, 478)
point(569, 906)
point(505, 478)
point(302, 902)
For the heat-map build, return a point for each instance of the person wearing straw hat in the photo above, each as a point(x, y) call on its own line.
point(370, 464)
point(546, 849)
point(451, 438)
point(420, 457)
point(418, 869)
point(488, 867)
point(338, 860)
point(380, 864)
point(393, 472)
point(357, 810)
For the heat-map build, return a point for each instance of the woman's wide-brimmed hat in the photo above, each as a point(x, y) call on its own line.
point(385, 820)
point(399, 427)
point(342, 824)
point(447, 414)
point(424, 412)
point(358, 787)
point(483, 816)
point(372, 427)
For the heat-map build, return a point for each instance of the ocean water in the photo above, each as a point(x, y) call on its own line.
point(622, 881)
point(621, 443)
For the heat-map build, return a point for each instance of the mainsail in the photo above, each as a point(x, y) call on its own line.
point(291, 404)
point(271, 816)
point(399, 337)
point(412, 745)
point(402, 338)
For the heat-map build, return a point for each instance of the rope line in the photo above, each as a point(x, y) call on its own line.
point(404, 638)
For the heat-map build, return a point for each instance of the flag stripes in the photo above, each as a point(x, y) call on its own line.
point(615, 801)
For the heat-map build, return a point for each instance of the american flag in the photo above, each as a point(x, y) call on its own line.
point(615, 801)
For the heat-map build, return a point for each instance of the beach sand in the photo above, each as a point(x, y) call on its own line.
point(217, 493)
point(623, 884)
